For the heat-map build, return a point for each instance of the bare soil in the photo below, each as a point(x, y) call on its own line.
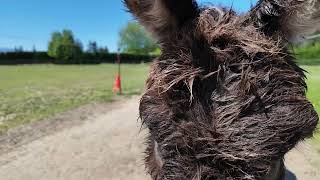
point(97, 142)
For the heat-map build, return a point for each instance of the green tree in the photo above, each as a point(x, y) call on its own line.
point(103, 50)
point(18, 49)
point(134, 39)
point(93, 47)
point(56, 40)
point(64, 47)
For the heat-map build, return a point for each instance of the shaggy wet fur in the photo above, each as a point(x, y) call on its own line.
point(225, 100)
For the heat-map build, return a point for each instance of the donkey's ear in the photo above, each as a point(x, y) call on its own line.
point(162, 17)
point(292, 19)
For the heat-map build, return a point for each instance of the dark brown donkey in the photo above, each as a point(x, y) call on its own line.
point(225, 100)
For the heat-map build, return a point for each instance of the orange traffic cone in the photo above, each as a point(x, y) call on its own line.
point(117, 85)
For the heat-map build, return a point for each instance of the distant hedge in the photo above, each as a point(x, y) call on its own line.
point(308, 54)
point(15, 58)
point(12, 58)
point(112, 58)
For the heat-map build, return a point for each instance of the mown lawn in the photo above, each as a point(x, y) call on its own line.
point(32, 92)
point(314, 94)
point(313, 79)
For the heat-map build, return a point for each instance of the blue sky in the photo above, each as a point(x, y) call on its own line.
point(29, 23)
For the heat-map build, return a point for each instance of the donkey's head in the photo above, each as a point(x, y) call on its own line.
point(225, 99)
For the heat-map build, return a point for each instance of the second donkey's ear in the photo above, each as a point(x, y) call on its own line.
point(291, 19)
point(162, 17)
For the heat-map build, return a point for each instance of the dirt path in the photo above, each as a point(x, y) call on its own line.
point(104, 145)
point(304, 161)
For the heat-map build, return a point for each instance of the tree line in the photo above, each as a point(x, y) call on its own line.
point(133, 39)
point(134, 44)
point(64, 47)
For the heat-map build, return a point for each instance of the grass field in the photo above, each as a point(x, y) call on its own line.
point(313, 80)
point(29, 93)
point(314, 95)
